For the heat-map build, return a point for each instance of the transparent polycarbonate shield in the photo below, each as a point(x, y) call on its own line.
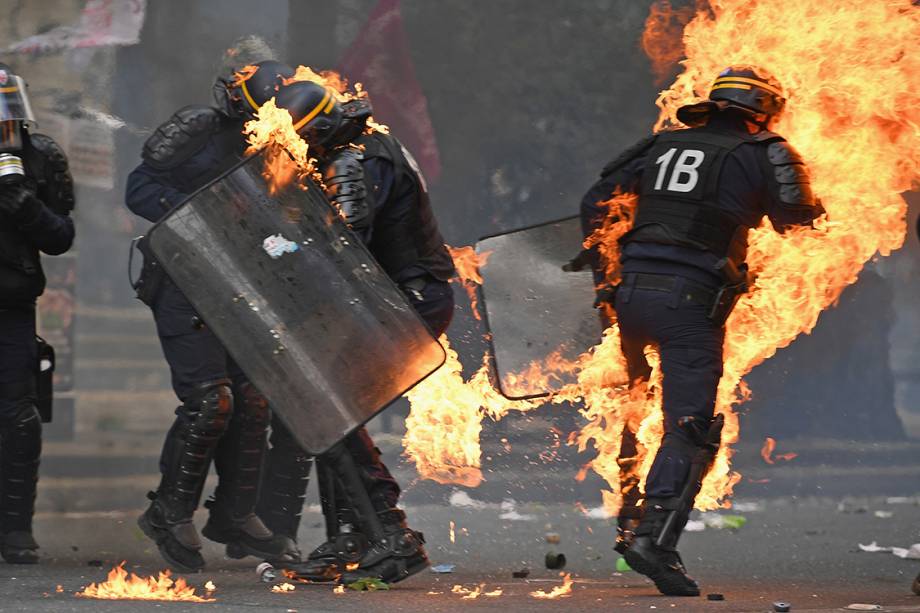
point(298, 302)
point(538, 313)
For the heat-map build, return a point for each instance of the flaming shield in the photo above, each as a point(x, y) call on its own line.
point(297, 300)
point(540, 316)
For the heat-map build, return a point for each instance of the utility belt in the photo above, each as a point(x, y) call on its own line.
point(148, 283)
point(719, 301)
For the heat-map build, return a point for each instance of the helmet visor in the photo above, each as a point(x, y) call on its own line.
point(14, 101)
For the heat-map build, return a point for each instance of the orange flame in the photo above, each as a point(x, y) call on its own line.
point(661, 39)
point(766, 452)
point(244, 74)
point(452, 533)
point(119, 586)
point(468, 263)
point(283, 588)
point(560, 591)
point(286, 152)
point(852, 73)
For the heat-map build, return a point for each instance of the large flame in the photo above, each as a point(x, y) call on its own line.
point(287, 154)
point(119, 586)
point(851, 72)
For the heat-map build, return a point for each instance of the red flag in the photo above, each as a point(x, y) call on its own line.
point(380, 60)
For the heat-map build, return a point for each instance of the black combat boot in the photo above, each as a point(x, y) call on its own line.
point(239, 456)
point(653, 551)
point(284, 488)
point(190, 446)
point(20, 450)
point(398, 556)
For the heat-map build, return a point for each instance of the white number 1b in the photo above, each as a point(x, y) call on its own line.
point(684, 176)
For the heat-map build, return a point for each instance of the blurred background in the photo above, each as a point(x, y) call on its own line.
point(511, 107)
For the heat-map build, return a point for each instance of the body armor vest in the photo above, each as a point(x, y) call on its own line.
point(409, 237)
point(21, 276)
point(678, 194)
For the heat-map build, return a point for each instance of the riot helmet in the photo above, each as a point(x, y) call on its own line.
point(15, 115)
point(242, 94)
point(749, 89)
point(315, 110)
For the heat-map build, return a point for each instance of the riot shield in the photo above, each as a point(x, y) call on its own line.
point(537, 313)
point(298, 302)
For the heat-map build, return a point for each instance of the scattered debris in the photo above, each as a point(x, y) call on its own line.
point(459, 498)
point(782, 607)
point(283, 587)
point(718, 521)
point(266, 572)
point(884, 514)
point(857, 606)
point(623, 566)
point(715, 597)
point(910, 553)
point(339, 589)
point(521, 574)
point(276, 246)
point(553, 538)
point(510, 513)
point(751, 506)
point(442, 569)
point(902, 500)
point(555, 561)
point(368, 584)
point(695, 525)
point(94, 563)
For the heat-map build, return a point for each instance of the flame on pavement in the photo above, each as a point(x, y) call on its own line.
point(120, 586)
point(766, 452)
point(560, 591)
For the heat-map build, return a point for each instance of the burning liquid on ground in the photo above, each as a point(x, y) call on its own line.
point(120, 586)
point(851, 74)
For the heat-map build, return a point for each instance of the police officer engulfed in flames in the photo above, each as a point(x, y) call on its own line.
point(36, 197)
point(700, 190)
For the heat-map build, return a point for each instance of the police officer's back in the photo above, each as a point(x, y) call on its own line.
point(36, 197)
point(700, 190)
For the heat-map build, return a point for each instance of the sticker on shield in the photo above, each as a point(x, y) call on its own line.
point(541, 317)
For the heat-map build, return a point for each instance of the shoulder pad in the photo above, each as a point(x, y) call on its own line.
point(343, 177)
point(790, 175)
point(633, 152)
point(181, 136)
point(765, 136)
point(373, 145)
point(782, 152)
point(55, 183)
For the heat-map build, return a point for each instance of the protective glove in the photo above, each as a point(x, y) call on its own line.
point(19, 204)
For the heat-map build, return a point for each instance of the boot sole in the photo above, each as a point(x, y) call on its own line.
point(158, 536)
point(662, 582)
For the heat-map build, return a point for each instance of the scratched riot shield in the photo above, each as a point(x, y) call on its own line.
point(538, 314)
point(297, 300)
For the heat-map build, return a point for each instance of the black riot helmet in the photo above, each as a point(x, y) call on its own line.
point(243, 94)
point(749, 89)
point(15, 110)
point(315, 110)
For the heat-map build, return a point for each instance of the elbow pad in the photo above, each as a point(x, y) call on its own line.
point(790, 177)
point(343, 177)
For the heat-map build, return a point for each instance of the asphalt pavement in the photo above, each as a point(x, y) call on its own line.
point(802, 551)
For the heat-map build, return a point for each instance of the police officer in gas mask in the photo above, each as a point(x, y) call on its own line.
point(223, 417)
point(380, 192)
point(36, 197)
point(700, 190)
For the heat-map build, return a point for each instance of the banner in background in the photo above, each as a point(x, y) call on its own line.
point(102, 23)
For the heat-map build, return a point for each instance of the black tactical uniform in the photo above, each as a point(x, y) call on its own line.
point(36, 197)
point(380, 192)
point(223, 416)
point(699, 192)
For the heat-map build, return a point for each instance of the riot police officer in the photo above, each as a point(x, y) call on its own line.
point(381, 193)
point(36, 197)
point(223, 416)
point(700, 190)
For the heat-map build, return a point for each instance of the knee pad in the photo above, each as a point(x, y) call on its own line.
point(210, 406)
point(252, 406)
